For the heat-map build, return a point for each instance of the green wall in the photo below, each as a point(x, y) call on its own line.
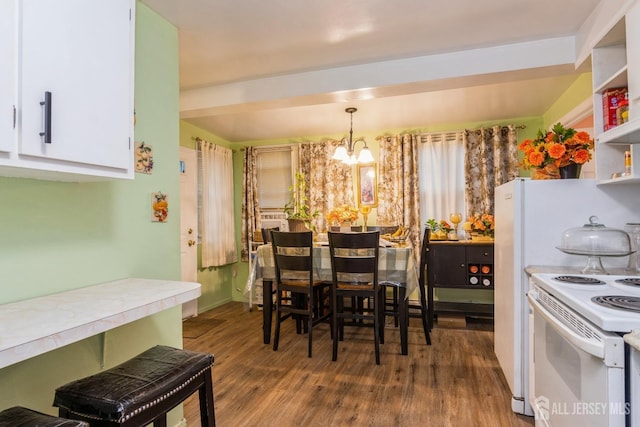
point(60, 236)
point(579, 91)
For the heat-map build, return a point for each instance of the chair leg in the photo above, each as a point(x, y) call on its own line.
point(310, 308)
point(395, 306)
point(334, 317)
point(161, 421)
point(207, 411)
point(340, 320)
point(423, 315)
point(276, 336)
point(381, 313)
point(376, 327)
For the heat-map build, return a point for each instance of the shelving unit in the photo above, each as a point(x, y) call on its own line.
point(459, 265)
point(616, 63)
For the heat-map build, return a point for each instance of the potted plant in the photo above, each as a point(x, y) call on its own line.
point(559, 153)
point(439, 230)
point(297, 210)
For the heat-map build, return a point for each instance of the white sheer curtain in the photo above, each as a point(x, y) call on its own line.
point(217, 226)
point(441, 175)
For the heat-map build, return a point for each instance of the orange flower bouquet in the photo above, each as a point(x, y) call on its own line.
point(344, 213)
point(555, 149)
point(481, 224)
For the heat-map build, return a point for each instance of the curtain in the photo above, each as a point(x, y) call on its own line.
point(250, 205)
point(441, 175)
point(398, 192)
point(218, 223)
point(330, 182)
point(491, 159)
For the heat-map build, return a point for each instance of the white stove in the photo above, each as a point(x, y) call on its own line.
point(580, 369)
point(580, 298)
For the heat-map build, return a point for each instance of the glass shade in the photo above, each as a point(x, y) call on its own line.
point(341, 153)
point(365, 156)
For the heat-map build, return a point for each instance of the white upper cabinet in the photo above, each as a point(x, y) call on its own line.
point(75, 90)
point(7, 75)
point(616, 64)
point(633, 60)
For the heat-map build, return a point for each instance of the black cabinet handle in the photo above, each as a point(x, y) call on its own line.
point(47, 118)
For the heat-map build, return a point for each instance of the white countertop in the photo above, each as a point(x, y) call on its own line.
point(35, 326)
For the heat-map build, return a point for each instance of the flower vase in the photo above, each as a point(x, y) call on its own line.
point(345, 226)
point(548, 172)
point(571, 171)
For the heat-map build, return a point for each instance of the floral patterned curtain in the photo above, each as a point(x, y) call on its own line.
point(398, 192)
point(330, 181)
point(250, 206)
point(491, 159)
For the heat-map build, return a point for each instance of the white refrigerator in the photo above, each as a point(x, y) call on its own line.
point(530, 218)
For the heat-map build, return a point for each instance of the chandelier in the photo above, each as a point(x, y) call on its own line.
point(345, 151)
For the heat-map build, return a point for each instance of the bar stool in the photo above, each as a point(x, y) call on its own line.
point(141, 390)
point(18, 416)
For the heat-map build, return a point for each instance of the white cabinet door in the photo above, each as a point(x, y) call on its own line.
point(633, 60)
point(7, 75)
point(81, 52)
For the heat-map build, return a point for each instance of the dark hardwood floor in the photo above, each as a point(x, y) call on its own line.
point(455, 382)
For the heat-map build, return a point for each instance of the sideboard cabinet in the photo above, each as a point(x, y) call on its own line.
point(459, 265)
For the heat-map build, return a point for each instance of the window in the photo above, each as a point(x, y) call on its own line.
point(274, 176)
point(441, 175)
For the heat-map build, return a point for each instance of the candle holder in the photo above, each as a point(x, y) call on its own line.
point(456, 218)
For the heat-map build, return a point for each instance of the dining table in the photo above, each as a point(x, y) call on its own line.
point(396, 268)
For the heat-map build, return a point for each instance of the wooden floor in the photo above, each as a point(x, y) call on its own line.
point(455, 382)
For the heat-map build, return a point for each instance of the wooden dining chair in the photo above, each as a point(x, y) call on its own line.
point(266, 234)
point(298, 293)
point(354, 271)
point(416, 310)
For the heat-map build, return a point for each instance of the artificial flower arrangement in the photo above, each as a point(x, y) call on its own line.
point(482, 224)
point(439, 230)
point(344, 213)
point(559, 147)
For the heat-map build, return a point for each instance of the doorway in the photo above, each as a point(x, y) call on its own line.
point(189, 223)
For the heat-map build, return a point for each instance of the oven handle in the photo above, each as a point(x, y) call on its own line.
point(585, 344)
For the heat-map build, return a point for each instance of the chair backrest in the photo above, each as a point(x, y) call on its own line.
point(292, 254)
point(354, 256)
point(266, 233)
point(424, 252)
point(354, 228)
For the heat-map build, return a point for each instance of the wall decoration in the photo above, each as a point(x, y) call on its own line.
point(144, 158)
point(159, 207)
point(367, 185)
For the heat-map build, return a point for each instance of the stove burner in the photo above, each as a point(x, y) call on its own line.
point(630, 281)
point(619, 302)
point(581, 280)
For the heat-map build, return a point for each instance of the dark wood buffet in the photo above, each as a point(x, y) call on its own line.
point(463, 264)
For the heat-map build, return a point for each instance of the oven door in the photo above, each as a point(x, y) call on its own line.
point(579, 369)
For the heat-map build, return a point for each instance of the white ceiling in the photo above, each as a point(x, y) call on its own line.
point(256, 69)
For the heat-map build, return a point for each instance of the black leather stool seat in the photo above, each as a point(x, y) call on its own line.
point(23, 417)
point(141, 390)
